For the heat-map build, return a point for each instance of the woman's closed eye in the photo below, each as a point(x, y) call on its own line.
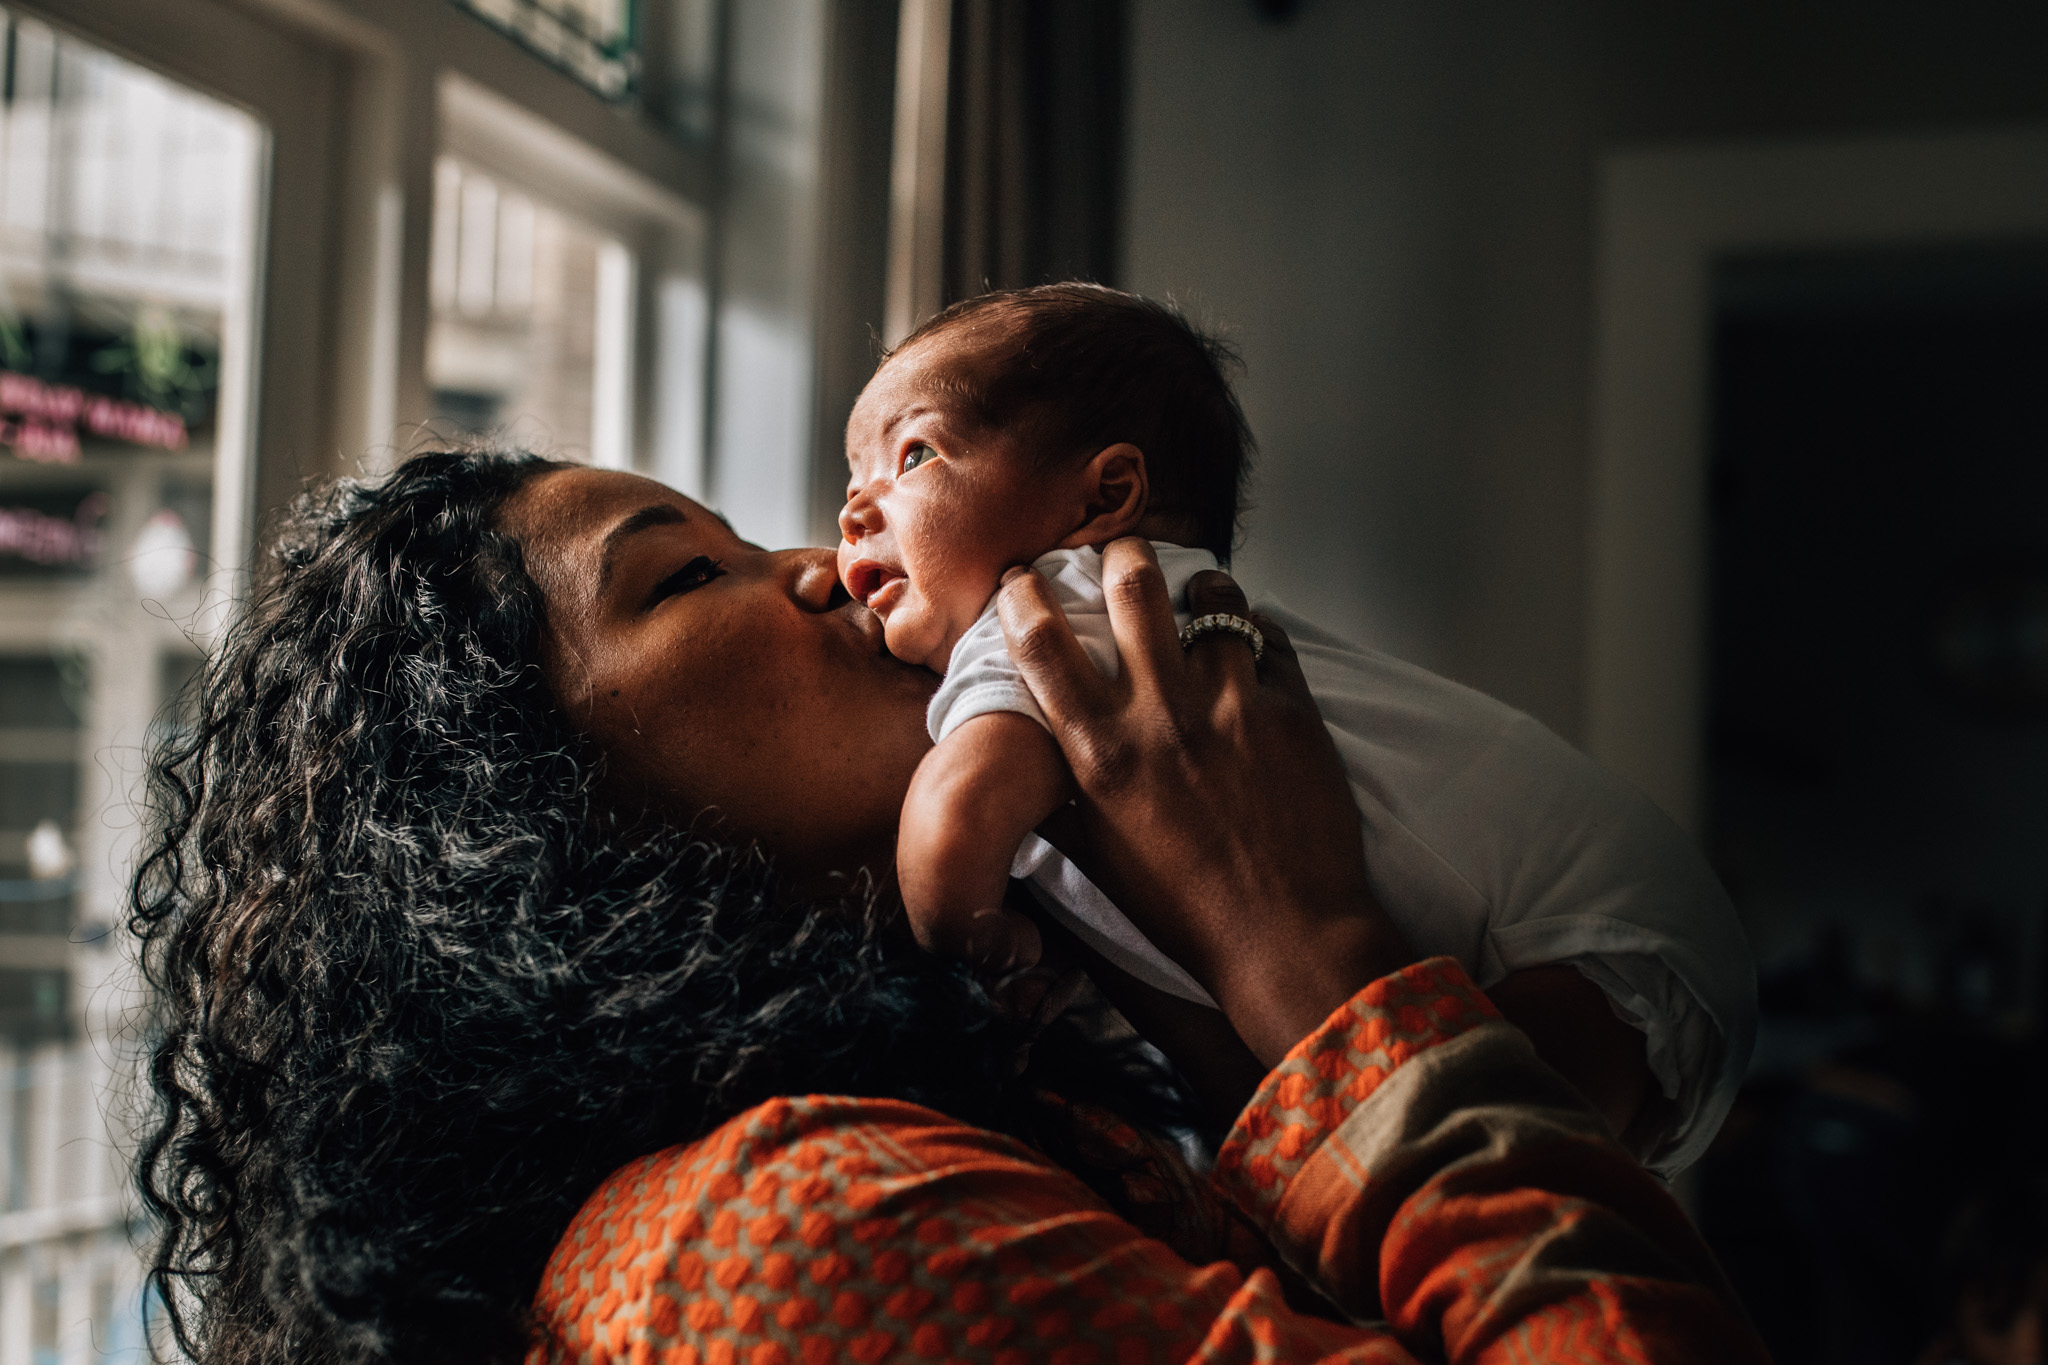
point(916, 456)
point(690, 577)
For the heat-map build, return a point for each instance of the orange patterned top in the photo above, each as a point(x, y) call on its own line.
point(1410, 1159)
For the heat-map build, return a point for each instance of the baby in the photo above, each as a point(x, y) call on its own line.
point(1033, 427)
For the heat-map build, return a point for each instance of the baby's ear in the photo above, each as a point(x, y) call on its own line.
point(1114, 494)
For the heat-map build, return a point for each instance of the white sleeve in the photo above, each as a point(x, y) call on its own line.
point(982, 677)
point(1609, 885)
point(1492, 839)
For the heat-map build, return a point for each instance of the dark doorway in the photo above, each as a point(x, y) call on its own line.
point(1878, 769)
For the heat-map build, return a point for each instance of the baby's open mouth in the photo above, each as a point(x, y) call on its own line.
point(874, 584)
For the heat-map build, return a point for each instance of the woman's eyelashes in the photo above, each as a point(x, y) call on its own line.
point(917, 455)
point(691, 576)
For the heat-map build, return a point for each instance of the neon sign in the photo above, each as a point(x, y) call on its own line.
point(53, 541)
point(42, 422)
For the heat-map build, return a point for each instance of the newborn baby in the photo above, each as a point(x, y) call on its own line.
point(1035, 426)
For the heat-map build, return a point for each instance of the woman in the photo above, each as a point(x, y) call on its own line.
point(445, 915)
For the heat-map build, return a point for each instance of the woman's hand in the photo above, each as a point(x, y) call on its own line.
point(1213, 808)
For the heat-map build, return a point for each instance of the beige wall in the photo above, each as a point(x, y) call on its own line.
point(1390, 205)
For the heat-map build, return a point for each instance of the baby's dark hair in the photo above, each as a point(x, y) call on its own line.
point(1095, 366)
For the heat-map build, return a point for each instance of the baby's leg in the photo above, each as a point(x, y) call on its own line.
point(974, 798)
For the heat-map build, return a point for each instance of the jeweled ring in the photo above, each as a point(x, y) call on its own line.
point(1229, 625)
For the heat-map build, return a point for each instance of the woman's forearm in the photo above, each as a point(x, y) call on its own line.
point(1413, 1159)
point(1576, 1032)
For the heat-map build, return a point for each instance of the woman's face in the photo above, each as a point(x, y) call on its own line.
point(723, 682)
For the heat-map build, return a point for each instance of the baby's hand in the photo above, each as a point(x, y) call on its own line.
point(974, 798)
point(1009, 953)
point(997, 942)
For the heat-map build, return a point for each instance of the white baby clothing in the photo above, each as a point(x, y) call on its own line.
point(1487, 838)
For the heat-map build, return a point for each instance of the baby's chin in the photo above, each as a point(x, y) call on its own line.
point(916, 639)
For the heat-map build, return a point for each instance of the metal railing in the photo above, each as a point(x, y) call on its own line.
point(596, 41)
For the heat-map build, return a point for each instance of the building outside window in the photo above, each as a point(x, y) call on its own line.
point(126, 268)
point(227, 264)
point(531, 338)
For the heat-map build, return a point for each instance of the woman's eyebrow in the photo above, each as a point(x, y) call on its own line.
point(655, 514)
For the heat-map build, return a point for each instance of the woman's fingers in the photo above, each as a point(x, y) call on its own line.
point(1140, 613)
point(1068, 686)
point(1213, 590)
point(1282, 666)
point(1216, 810)
point(1215, 593)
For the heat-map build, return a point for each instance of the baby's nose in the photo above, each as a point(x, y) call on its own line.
point(859, 518)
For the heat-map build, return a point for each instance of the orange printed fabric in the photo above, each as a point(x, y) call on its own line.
point(1409, 1153)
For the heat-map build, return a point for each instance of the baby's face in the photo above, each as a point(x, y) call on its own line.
point(937, 507)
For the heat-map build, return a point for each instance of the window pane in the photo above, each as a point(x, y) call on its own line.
point(532, 321)
point(126, 265)
point(127, 278)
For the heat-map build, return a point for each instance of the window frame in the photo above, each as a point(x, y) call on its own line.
point(362, 97)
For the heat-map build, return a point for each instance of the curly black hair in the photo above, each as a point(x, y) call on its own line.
point(418, 991)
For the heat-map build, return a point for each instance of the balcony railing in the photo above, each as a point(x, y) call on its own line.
point(593, 40)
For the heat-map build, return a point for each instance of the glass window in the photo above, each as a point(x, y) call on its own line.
point(128, 267)
point(531, 338)
point(44, 1304)
point(126, 259)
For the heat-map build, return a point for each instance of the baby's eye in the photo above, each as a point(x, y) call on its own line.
point(916, 456)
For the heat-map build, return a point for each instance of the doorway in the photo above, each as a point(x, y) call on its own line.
point(1876, 766)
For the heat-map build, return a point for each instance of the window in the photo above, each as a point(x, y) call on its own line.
point(550, 266)
point(45, 1300)
point(127, 205)
point(532, 321)
point(129, 269)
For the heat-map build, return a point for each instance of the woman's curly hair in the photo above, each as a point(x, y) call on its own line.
point(418, 991)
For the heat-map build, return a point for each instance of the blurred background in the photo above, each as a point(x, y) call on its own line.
point(1678, 373)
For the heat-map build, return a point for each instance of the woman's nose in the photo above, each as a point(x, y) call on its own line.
point(814, 580)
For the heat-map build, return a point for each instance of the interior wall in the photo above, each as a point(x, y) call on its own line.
point(1390, 209)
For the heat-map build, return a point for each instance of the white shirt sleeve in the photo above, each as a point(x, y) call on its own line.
point(980, 678)
point(1490, 838)
point(980, 675)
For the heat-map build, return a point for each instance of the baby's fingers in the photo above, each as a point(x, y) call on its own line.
point(995, 942)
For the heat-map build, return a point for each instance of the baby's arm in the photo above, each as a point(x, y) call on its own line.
point(1574, 1029)
point(974, 798)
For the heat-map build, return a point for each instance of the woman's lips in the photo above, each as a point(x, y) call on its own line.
point(868, 627)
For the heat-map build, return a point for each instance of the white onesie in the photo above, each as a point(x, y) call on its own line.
point(1487, 838)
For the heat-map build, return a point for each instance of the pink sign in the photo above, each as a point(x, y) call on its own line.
point(41, 422)
point(41, 538)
